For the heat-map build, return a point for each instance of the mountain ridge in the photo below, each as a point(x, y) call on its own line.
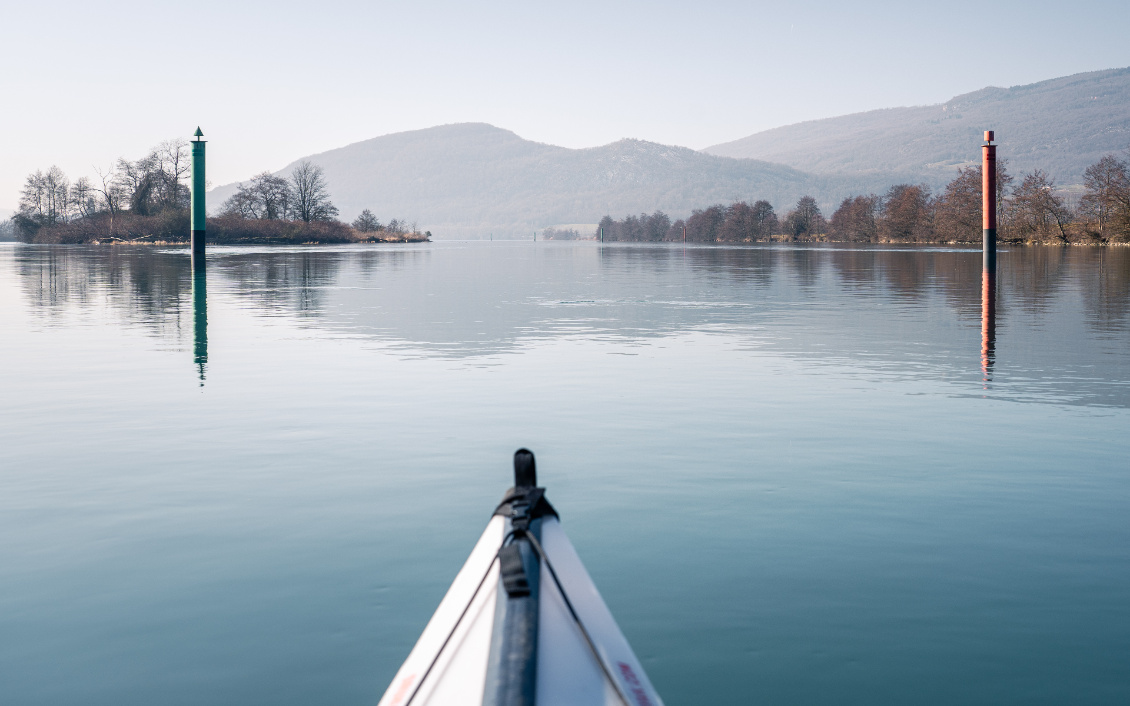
point(474, 179)
point(1061, 125)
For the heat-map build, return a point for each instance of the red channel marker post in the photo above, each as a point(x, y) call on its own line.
point(989, 255)
point(989, 203)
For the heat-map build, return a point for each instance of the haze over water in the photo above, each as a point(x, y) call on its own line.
point(797, 475)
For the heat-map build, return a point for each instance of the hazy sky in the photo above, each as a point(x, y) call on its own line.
point(82, 83)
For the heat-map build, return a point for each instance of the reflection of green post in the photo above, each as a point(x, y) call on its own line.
point(200, 320)
point(198, 212)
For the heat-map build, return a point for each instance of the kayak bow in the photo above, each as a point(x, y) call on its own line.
point(522, 623)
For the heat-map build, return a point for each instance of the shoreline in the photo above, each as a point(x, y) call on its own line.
point(425, 238)
point(186, 244)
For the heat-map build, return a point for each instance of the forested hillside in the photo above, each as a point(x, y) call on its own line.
point(1060, 126)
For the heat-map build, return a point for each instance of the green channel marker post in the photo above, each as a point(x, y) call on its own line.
point(199, 213)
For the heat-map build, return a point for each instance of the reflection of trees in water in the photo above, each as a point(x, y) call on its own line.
point(859, 270)
point(53, 277)
point(805, 263)
point(1030, 278)
point(1106, 288)
point(297, 281)
point(1033, 278)
point(474, 300)
point(749, 265)
point(288, 281)
point(142, 286)
point(870, 271)
point(911, 273)
point(957, 275)
point(904, 274)
point(732, 264)
point(855, 268)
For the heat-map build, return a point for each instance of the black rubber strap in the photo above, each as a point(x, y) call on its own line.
point(531, 499)
point(513, 571)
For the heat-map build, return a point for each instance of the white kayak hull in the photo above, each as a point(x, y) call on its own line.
point(450, 662)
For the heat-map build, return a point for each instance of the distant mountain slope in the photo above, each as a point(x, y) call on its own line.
point(471, 179)
point(1062, 126)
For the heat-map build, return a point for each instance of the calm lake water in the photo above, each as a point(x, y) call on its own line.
point(798, 475)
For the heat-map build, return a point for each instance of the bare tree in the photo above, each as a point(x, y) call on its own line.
point(1036, 209)
point(805, 219)
point(311, 196)
point(274, 196)
point(156, 182)
point(907, 213)
point(1004, 181)
point(703, 225)
point(265, 197)
point(136, 183)
point(367, 222)
point(959, 207)
point(45, 198)
point(1108, 193)
point(112, 192)
point(58, 194)
point(33, 197)
point(242, 204)
point(765, 221)
point(857, 218)
point(82, 198)
point(745, 223)
point(171, 171)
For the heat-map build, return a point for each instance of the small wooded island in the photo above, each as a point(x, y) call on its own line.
point(147, 202)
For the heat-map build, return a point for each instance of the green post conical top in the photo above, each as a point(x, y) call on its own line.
point(198, 212)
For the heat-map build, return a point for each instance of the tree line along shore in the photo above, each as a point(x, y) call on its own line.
point(147, 201)
point(1032, 211)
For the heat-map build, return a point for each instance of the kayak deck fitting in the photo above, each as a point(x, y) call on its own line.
point(522, 623)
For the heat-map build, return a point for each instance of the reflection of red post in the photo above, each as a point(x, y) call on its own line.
point(989, 202)
point(988, 325)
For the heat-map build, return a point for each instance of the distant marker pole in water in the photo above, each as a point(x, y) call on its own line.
point(198, 212)
point(602, 235)
point(989, 203)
